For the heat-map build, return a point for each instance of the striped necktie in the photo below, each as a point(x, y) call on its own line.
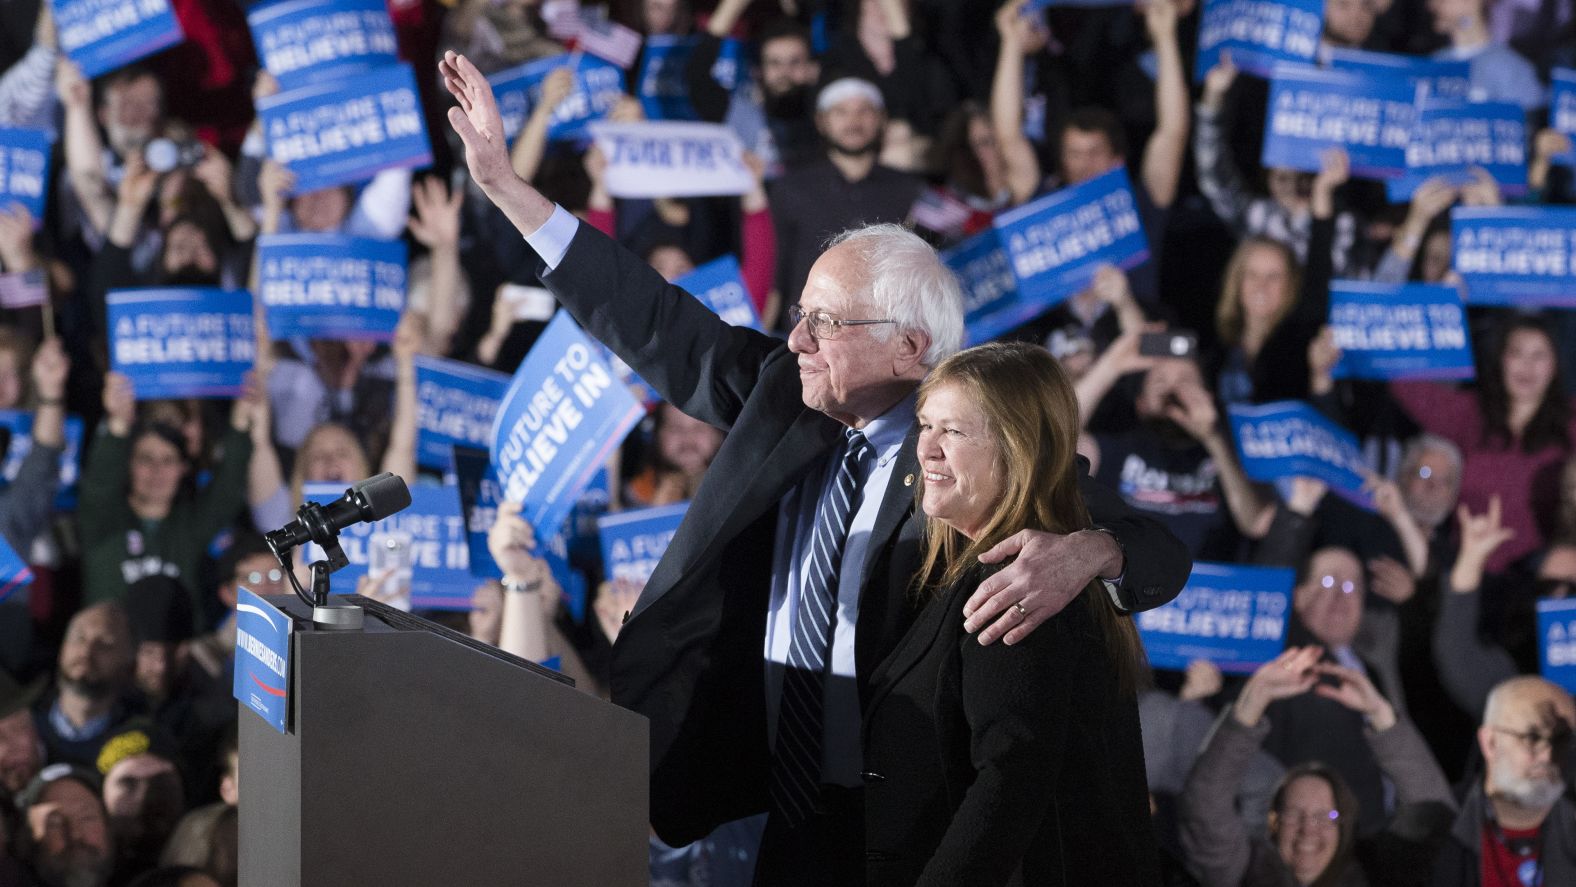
point(796, 762)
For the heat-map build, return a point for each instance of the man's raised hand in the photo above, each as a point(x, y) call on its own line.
point(477, 121)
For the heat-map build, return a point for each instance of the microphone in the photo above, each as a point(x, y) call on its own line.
point(369, 500)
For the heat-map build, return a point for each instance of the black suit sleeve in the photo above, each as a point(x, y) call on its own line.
point(702, 365)
point(1157, 563)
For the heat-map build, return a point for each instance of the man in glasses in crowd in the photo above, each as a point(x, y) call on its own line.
point(788, 580)
point(1517, 826)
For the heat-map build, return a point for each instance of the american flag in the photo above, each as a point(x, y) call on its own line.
point(609, 40)
point(23, 289)
point(562, 18)
point(940, 212)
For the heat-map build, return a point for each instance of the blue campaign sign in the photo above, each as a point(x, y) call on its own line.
point(182, 342)
point(426, 542)
point(329, 286)
point(598, 86)
point(455, 405)
point(479, 498)
point(633, 541)
point(563, 415)
point(1557, 641)
point(1451, 138)
point(102, 35)
point(1517, 255)
point(24, 169)
point(1288, 438)
point(721, 286)
point(262, 659)
point(307, 41)
point(1312, 109)
point(990, 292)
point(1056, 244)
point(660, 84)
point(348, 129)
point(1440, 78)
point(1232, 615)
point(20, 425)
point(1562, 109)
point(1258, 33)
point(14, 572)
point(1399, 331)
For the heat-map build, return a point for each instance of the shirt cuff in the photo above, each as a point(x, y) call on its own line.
point(551, 240)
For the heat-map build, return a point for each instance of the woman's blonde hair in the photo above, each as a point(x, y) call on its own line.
point(1031, 412)
point(298, 478)
point(1228, 311)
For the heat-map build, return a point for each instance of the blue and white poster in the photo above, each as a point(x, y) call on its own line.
point(1313, 109)
point(302, 42)
point(262, 659)
point(102, 35)
point(1438, 78)
point(1516, 255)
point(1288, 438)
point(455, 406)
point(180, 342)
point(24, 170)
point(667, 159)
point(1258, 33)
point(1056, 244)
point(660, 84)
point(19, 424)
point(1451, 138)
point(14, 572)
point(633, 541)
point(348, 129)
point(1557, 641)
point(990, 292)
point(1399, 331)
point(329, 286)
point(423, 549)
point(598, 86)
point(720, 285)
point(1562, 109)
point(1232, 615)
point(563, 415)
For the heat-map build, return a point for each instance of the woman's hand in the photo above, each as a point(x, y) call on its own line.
point(436, 218)
point(120, 404)
point(1357, 693)
point(1201, 681)
point(1292, 673)
point(1217, 82)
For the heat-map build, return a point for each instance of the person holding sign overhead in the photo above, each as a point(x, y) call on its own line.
point(733, 651)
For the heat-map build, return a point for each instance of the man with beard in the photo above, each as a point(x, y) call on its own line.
point(66, 833)
point(788, 74)
point(1176, 464)
point(91, 685)
point(1518, 825)
point(21, 753)
point(844, 189)
point(142, 794)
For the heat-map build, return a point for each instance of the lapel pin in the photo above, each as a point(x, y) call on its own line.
point(908, 480)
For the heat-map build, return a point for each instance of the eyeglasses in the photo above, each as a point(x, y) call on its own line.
point(822, 325)
point(256, 578)
point(1300, 818)
point(1347, 586)
point(1535, 741)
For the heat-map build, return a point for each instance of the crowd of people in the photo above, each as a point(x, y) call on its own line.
point(1402, 737)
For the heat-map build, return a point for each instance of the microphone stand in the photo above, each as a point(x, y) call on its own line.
point(325, 616)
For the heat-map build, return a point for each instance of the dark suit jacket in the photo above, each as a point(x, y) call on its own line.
point(691, 656)
point(1004, 765)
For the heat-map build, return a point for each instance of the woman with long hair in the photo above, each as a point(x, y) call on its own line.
point(987, 764)
point(1514, 427)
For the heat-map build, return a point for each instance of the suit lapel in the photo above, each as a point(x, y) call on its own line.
point(916, 643)
point(895, 503)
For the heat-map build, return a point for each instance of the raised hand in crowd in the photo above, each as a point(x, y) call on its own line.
point(275, 181)
point(1292, 673)
point(1201, 680)
point(1482, 190)
point(137, 186)
point(120, 404)
point(1111, 286)
point(435, 223)
point(1546, 145)
point(1435, 195)
point(250, 409)
point(614, 599)
point(1481, 534)
point(1306, 494)
point(1121, 357)
point(1335, 168)
point(16, 239)
point(217, 175)
point(1391, 580)
point(83, 146)
point(1391, 506)
point(50, 368)
point(530, 594)
point(1354, 690)
point(1218, 81)
point(531, 145)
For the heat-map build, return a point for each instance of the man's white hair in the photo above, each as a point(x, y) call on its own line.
point(906, 282)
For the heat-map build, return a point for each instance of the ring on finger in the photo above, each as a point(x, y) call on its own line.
point(1022, 613)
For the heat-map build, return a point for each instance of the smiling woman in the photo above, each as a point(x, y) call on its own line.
point(1035, 763)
